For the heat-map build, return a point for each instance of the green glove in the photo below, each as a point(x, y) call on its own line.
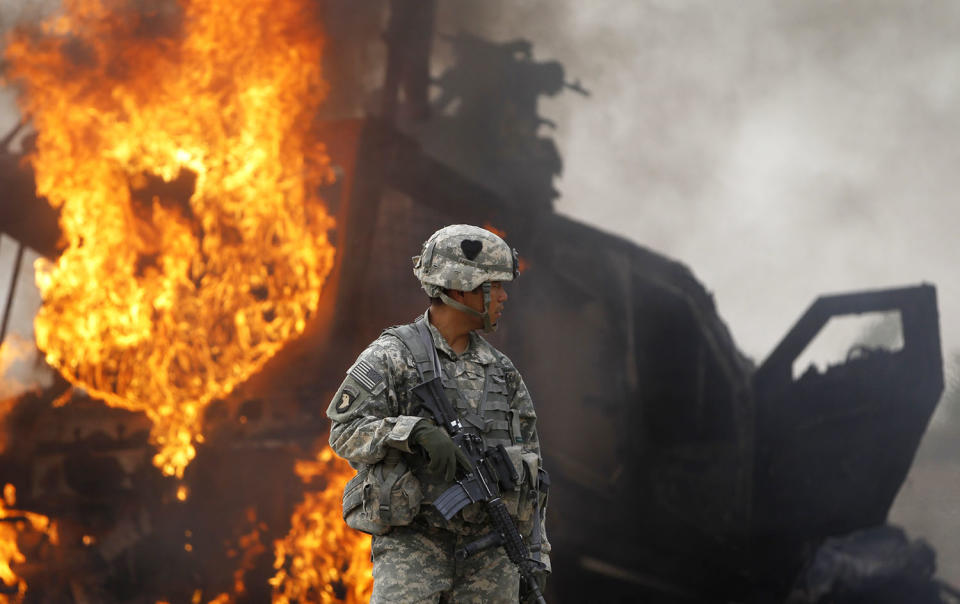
point(440, 449)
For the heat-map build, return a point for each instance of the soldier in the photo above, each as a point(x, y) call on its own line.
point(404, 460)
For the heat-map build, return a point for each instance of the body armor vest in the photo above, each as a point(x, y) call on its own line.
point(392, 493)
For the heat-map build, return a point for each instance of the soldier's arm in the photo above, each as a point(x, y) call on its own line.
point(523, 403)
point(365, 413)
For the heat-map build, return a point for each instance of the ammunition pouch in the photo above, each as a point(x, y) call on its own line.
point(382, 496)
point(528, 504)
point(521, 500)
point(542, 496)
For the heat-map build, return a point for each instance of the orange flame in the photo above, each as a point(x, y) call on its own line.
point(249, 548)
point(9, 550)
point(176, 145)
point(498, 232)
point(13, 349)
point(522, 263)
point(321, 559)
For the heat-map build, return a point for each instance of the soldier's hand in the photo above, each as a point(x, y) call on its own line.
point(440, 449)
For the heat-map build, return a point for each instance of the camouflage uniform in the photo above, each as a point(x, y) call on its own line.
point(372, 419)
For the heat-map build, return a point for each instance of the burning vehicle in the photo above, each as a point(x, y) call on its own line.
point(213, 256)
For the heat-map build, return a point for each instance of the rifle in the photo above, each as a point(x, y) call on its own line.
point(489, 471)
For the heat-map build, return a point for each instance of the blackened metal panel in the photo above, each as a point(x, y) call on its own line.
point(834, 447)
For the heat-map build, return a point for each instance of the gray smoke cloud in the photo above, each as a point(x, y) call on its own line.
point(13, 13)
point(781, 150)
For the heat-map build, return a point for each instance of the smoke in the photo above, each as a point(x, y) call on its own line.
point(15, 12)
point(12, 14)
point(20, 366)
point(781, 150)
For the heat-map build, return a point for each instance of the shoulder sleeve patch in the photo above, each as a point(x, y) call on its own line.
point(367, 376)
point(348, 400)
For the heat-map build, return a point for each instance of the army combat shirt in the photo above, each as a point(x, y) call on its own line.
point(372, 412)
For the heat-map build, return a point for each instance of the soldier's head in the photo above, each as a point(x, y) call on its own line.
point(464, 267)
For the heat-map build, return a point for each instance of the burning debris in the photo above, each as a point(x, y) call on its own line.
point(13, 524)
point(174, 145)
point(175, 142)
point(321, 559)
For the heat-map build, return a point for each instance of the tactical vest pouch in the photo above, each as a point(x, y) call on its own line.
point(382, 496)
point(353, 512)
point(528, 492)
point(511, 499)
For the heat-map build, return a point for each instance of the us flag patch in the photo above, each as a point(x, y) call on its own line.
point(364, 373)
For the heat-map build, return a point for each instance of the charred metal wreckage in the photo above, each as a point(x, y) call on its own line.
point(681, 472)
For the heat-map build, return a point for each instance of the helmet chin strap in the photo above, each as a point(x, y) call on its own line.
point(488, 327)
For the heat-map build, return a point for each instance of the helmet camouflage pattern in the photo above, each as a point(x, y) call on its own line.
point(462, 257)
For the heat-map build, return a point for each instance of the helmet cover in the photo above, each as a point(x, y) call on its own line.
point(462, 257)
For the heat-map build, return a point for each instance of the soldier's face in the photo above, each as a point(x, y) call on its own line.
point(498, 296)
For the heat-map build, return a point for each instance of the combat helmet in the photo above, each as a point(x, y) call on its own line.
point(463, 257)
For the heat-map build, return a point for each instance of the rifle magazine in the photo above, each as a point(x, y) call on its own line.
point(452, 501)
